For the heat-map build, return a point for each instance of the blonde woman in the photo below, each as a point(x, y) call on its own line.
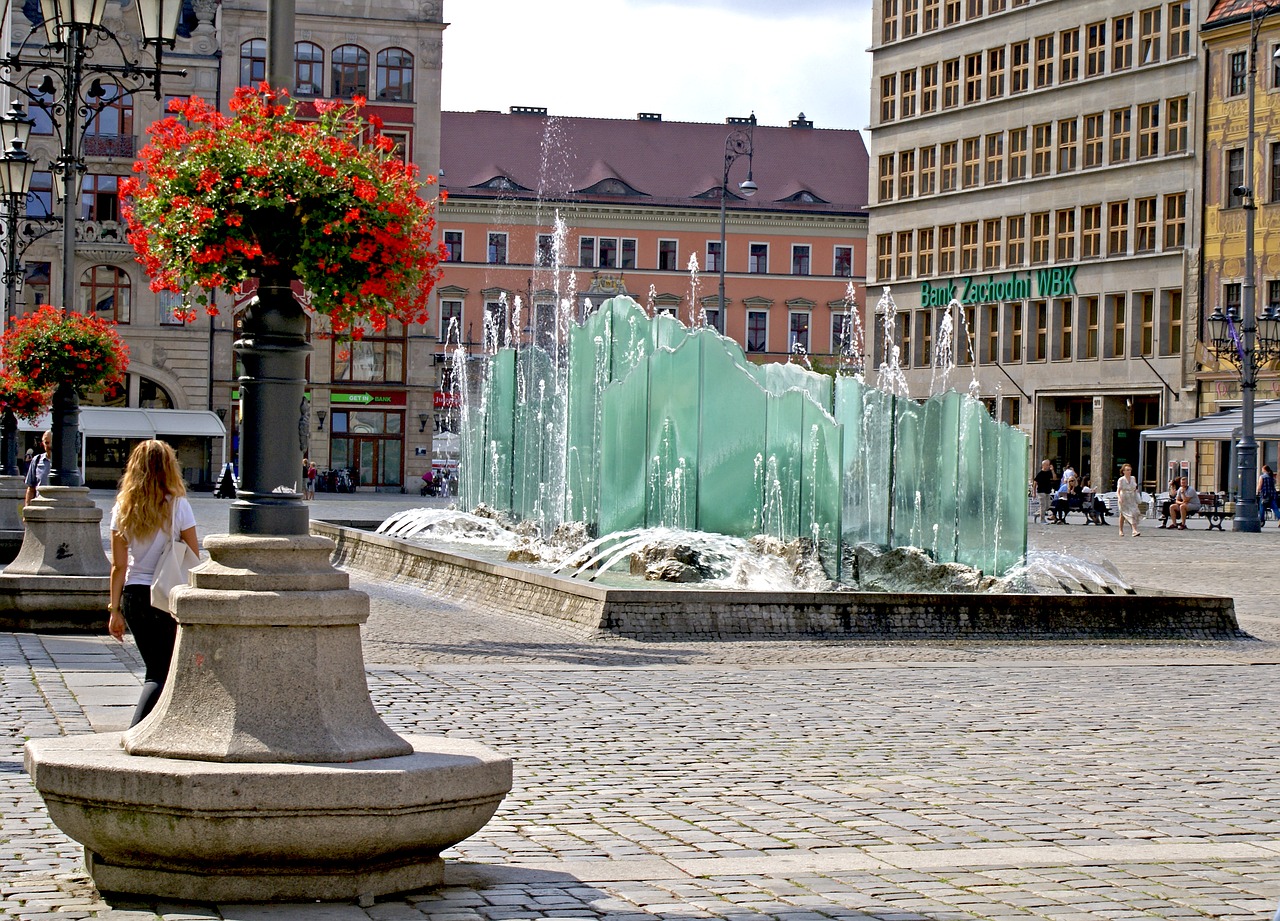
point(151, 498)
point(1127, 499)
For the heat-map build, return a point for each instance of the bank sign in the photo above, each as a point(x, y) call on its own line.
point(1059, 281)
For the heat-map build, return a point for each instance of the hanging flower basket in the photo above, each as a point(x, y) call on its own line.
point(21, 399)
point(52, 347)
point(262, 192)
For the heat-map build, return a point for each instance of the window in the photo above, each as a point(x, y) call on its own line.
point(1018, 154)
point(1237, 73)
point(1121, 134)
point(1062, 323)
point(450, 321)
point(907, 174)
point(253, 62)
point(1020, 73)
point(587, 253)
point(991, 354)
point(1116, 304)
point(1039, 237)
point(1013, 331)
point(995, 73)
point(1179, 28)
point(544, 250)
point(972, 156)
point(629, 249)
point(1148, 130)
point(799, 338)
point(1146, 323)
point(100, 197)
point(888, 97)
point(40, 194)
point(1149, 37)
point(950, 155)
point(713, 256)
point(910, 17)
point(1176, 134)
point(947, 250)
point(1144, 225)
point(842, 262)
point(908, 83)
point(377, 356)
point(453, 246)
point(105, 292)
point(497, 249)
point(950, 12)
point(109, 133)
point(1095, 49)
point(308, 69)
point(1171, 321)
point(1016, 251)
point(842, 334)
point(1235, 177)
point(1040, 341)
point(1011, 410)
point(1091, 231)
point(800, 259)
point(607, 253)
point(995, 158)
point(1068, 145)
point(1093, 140)
point(991, 243)
point(1231, 298)
point(1064, 236)
point(757, 331)
point(350, 71)
point(884, 256)
point(1069, 56)
point(1089, 308)
point(1275, 173)
point(172, 310)
point(969, 246)
point(889, 21)
point(1118, 228)
point(974, 10)
point(906, 254)
point(1175, 220)
point(928, 170)
point(973, 78)
point(929, 88)
point(668, 256)
point(1041, 149)
point(35, 282)
point(951, 83)
point(758, 261)
point(924, 339)
point(1122, 42)
point(886, 177)
point(924, 252)
point(394, 75)
point(1044, 61)
point(929, 17)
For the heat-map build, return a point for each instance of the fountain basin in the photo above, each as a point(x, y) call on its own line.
point(671, 612)
point(217, 832)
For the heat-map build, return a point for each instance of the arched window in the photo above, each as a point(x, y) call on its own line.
point(395, 75)
point(253, 62)
point(350, 71)
point(308, 69)
point(105, 292)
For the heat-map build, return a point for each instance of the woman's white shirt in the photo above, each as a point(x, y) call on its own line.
point(144, 554)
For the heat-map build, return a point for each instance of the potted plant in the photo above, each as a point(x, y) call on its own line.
point(278, 192)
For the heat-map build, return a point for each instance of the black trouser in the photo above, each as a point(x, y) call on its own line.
point(154, 630)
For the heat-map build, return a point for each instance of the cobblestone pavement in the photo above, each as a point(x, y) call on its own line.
point(783, 780)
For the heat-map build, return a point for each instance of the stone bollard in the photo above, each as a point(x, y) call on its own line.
point(13, 490)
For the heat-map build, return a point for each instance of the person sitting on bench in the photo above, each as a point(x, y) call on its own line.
point(1186, 502)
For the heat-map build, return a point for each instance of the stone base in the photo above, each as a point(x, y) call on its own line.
point(10, 543)
point(63, 535)
point(229, 832)
point(54, 603)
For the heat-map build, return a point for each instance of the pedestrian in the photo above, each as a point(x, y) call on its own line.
point(38, 469)
point(1045, 482)
point(1267, 495)
point(310, 472)
point(1186, 502)
point(151, 500)
point(1127, 499)
point(1068, 473)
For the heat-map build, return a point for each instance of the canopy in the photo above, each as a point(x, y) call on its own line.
point(1220, 426)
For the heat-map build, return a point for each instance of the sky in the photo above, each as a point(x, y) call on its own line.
point(691, 60)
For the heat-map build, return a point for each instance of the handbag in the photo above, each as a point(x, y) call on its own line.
point(174, 566)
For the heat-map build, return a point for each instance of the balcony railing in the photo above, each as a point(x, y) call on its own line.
point(109, 145)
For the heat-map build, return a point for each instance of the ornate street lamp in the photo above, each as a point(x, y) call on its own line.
point(1236, 338)
point(739, 143)
point(54, 59)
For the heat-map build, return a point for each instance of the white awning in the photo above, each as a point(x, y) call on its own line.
point(121, 422)
point(1220, 426)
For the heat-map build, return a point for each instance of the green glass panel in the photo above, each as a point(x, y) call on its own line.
point(673, 437)
point(582, 449)
point(784, 465)
point(731, 458)
point(779, 378)
point(972, 545)
point(823, 470)
point(1011, 533)
point(498, 431)
point(623, 453)
point(906, 525)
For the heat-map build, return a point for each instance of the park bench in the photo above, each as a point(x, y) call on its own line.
point(1211, 509)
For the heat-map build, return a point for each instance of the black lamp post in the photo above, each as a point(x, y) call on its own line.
point(1249, 340)
point(57, 68)
point(737, 144)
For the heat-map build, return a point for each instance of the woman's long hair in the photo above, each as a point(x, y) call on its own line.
point(151, 476)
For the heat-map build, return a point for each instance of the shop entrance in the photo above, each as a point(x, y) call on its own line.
point(370, 443)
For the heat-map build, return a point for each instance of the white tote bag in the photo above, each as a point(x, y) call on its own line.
point(174, 567)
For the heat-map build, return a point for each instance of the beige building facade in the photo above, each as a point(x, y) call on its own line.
point(1037, 162)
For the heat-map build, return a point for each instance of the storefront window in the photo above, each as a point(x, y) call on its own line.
point(376, 357)
point(370, 443)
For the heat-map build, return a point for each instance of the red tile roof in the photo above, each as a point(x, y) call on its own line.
point(561, 158)
point(1224, 11)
